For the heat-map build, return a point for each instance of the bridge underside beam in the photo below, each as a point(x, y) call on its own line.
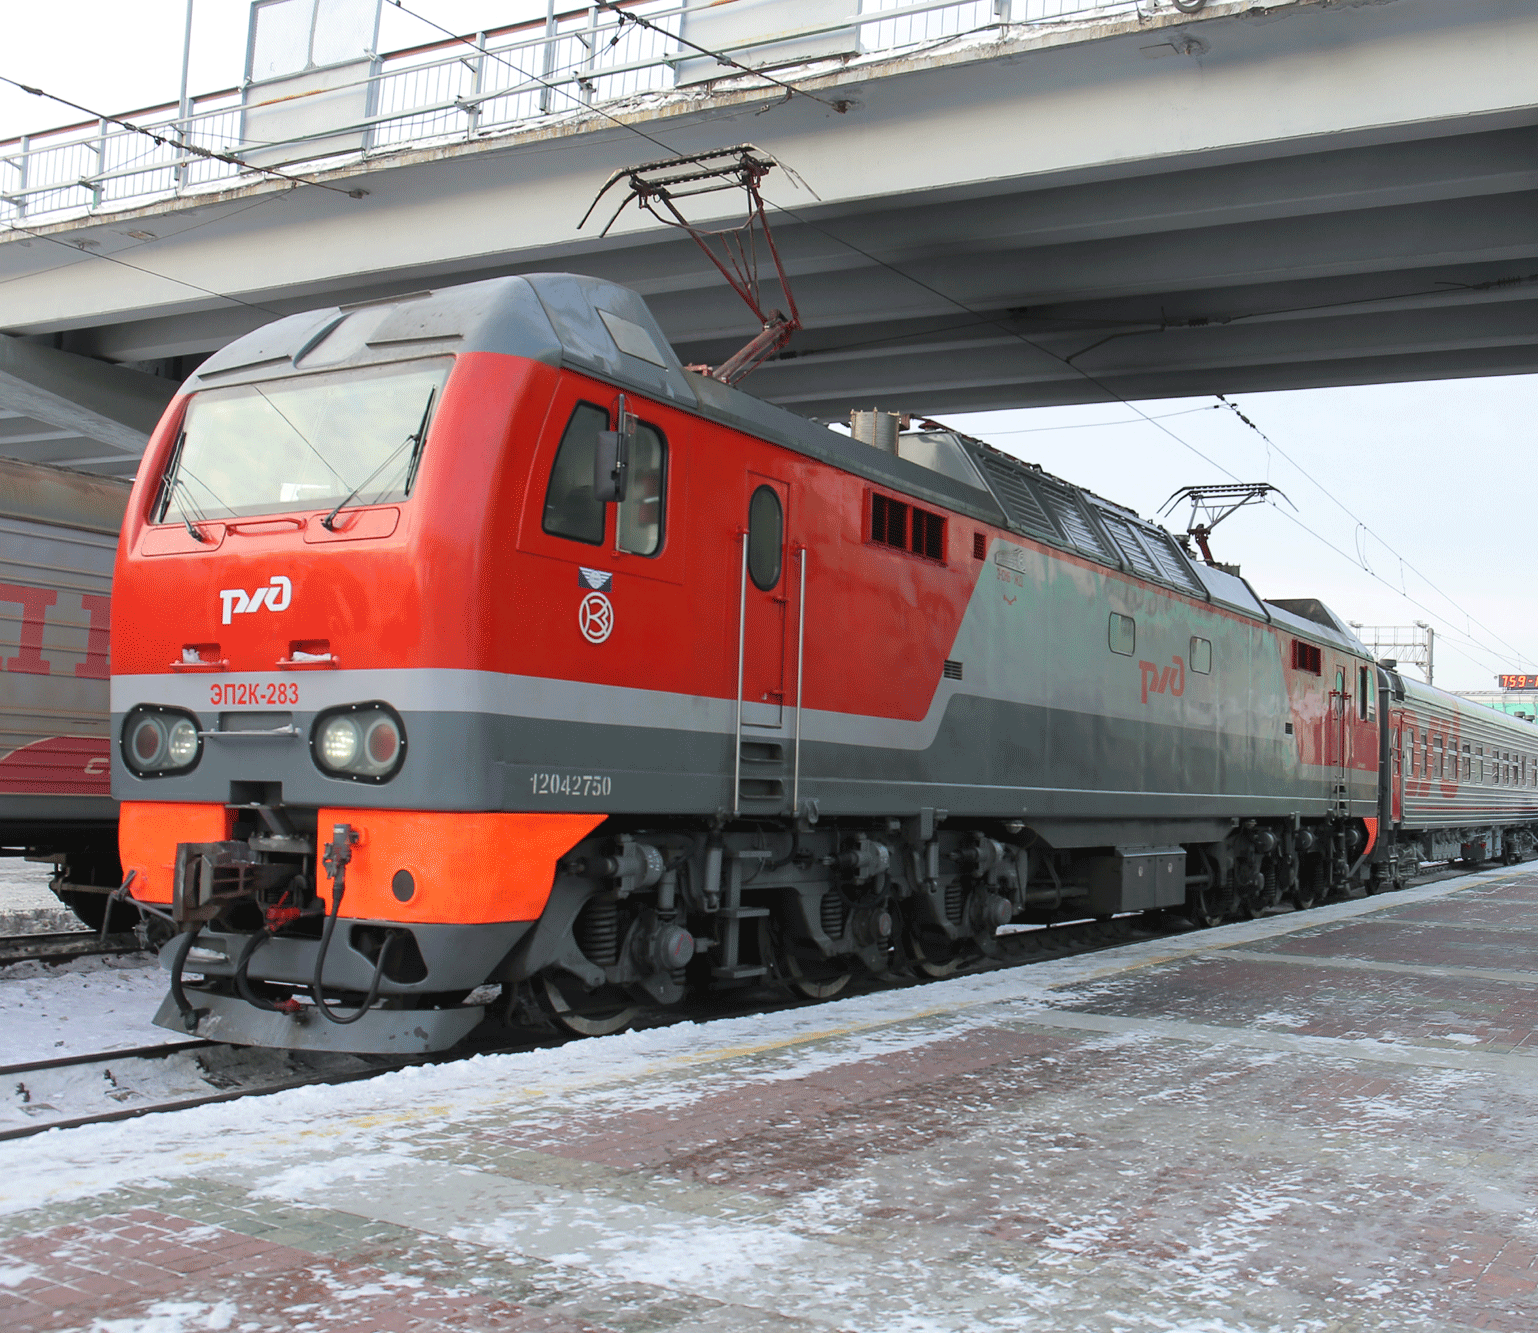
point(72, 411)
point(1330, 194)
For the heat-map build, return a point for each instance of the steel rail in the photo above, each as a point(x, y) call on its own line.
point(63, 946)
point(103, 1057)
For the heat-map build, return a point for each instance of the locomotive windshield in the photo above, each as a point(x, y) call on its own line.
point(352, 436)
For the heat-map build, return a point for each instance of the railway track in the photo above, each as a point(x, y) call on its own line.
point(62, 946)
point(1037, 944)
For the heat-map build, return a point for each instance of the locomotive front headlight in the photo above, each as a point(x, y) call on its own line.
point(364, 742)
point(160, 741)
point(182, 743)
point(339, 743)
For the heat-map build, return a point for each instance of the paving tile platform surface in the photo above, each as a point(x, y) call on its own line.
point(1320, 1121)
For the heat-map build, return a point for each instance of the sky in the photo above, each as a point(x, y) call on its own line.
point(1422, 488)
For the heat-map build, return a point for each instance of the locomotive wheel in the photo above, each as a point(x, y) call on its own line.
point(810, 978)
point(929, 962)
point(593, 1018)
point(1200, 913)
point(820, 980)
point(1207, 906)
point(1310, 885)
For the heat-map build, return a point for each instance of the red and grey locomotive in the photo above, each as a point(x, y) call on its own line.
point(468, 639)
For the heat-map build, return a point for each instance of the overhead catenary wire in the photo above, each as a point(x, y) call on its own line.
point(624, 16)
point(1364, 528)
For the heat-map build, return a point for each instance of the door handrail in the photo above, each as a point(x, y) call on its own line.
point(795, 778)
point(742, 624)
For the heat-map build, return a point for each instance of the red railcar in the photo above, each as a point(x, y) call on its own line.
point(58, 531)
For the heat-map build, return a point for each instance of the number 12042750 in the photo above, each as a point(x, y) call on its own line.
point(570, 784)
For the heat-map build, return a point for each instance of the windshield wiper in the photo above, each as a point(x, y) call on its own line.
point(420, 437)
point(416, 439)
point(192, 530)
point(172, 482)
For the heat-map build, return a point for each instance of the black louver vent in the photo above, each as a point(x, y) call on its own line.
point(1014, 492)
point(1063, 501)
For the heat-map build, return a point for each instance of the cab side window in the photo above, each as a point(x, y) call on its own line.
point(1121, 634)
point(640, 512)
point(571, 510)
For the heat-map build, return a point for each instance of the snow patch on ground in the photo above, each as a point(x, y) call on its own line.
point(27, 905)
point(74, 1008)
point(172, 1317)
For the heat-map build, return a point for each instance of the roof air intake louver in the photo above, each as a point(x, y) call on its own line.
point(1063, 501)
point(1007, 478)
point(1126, 538)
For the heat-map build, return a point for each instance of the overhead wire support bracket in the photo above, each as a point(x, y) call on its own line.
point(1212, 504)
point(656, 188)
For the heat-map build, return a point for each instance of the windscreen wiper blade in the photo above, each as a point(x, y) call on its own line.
point(416, 438)
point(420, 439)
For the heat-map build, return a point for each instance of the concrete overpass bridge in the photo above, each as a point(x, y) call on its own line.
point(1009, 202)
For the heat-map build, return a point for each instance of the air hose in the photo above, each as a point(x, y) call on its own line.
point(338, 854)
point(317, 994)
point(189, 1015)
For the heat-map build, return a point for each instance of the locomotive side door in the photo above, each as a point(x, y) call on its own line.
point(765, 580)
point(1337, 740)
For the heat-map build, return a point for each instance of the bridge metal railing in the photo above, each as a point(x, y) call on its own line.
point(463, 90)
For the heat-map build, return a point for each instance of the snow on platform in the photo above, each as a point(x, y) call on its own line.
point(1321, 1122)
point(27, 905)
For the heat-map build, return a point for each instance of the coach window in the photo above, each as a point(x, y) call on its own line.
point(640, 512)
point(1436, 761)
point(1410, 752)
point(766, 535)
point(1122, 634)
point(571, 509)
point(1201, 655)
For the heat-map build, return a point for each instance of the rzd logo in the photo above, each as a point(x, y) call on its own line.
point(276, 596)
point(1156, 680)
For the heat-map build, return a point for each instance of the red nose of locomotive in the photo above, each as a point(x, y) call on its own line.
point(293, 656)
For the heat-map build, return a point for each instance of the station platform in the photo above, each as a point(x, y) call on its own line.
point(1321, 1121)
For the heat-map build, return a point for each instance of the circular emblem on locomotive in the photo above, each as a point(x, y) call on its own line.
point(595, 617)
